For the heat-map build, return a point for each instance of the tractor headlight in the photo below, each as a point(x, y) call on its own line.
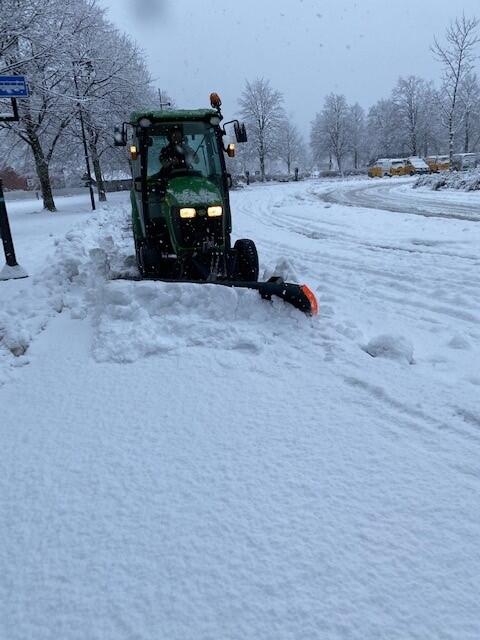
point(214, 212)
point(188, 212)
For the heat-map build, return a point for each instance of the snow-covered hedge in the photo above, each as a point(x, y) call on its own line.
point(463, 181)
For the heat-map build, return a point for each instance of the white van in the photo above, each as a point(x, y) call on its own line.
point(381, 168)
point(464, 161)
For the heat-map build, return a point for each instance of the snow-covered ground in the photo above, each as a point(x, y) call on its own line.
point(185, 461)
point(396, 195)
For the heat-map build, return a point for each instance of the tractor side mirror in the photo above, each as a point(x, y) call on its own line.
point(240, 132)
point(119, 136)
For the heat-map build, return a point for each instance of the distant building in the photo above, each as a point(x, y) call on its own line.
point(12, 181)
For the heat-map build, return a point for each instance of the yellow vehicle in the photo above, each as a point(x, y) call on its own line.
point(380, 169)
point(388, 167)
point(400, 167)
point(438, 163)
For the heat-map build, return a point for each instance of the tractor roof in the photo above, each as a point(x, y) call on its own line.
point(174, 115)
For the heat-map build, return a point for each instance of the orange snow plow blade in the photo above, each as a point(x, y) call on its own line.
point(298, 295)
point(308, 293)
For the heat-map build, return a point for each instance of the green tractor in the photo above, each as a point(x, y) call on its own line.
point(181, 215)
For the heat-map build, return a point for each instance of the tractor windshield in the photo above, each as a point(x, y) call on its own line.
point(189, 148)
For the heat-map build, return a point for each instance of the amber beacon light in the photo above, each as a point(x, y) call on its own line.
point(215, 100)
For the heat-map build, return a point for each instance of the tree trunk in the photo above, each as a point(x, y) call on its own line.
point(41, 167)
point(261, 157)
point(450, 140)
point(466, 147)
point(355, 159)
point(414, 143)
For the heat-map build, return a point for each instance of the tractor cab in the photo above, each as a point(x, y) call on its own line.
point(180, 199)
point(180, 181)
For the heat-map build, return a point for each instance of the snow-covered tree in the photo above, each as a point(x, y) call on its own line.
point(357, 133)
point(261, 108)
point(456, 56)
point(408, 97)
point(469, 97)
point(291, 147)
point(24, 28)
point(431, 138)
point(331, 129)
point(109, 75)
point(51, 106)
point(382, 127)
point(76, 63)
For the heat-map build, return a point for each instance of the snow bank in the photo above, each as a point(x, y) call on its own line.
point(134, 320)
point(462, 181)
point(393, 347)
point(62, 283)
point(89, 275)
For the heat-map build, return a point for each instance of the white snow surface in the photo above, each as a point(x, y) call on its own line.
point(190, 461)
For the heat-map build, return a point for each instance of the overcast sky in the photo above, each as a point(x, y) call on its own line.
point(307, 48)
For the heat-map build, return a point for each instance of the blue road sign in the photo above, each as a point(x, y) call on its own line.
point(13, 87)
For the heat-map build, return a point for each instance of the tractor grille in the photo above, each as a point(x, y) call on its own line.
point(197, 231)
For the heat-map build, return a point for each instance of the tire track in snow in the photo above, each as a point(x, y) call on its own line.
point(390, 198)
point(326, 256)
point(346, 242)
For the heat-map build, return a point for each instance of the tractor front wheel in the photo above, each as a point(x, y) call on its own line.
point(139, 254)
point(246, 261)
point(148, 260)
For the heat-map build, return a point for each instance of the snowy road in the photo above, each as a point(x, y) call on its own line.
point(193, 462)
point(396, 195)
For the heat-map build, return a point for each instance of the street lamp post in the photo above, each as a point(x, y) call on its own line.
point(84, 137)
point(162, 103)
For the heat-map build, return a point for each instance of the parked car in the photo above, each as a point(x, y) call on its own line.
point(381, 168)
point(388, 167)
point(438, 163)
point(417, 165)
point(399, 167)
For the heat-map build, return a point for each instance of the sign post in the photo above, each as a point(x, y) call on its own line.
point(12, 269)
point(11, 87)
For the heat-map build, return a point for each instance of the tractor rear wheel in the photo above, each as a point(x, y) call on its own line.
point(246, 262)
